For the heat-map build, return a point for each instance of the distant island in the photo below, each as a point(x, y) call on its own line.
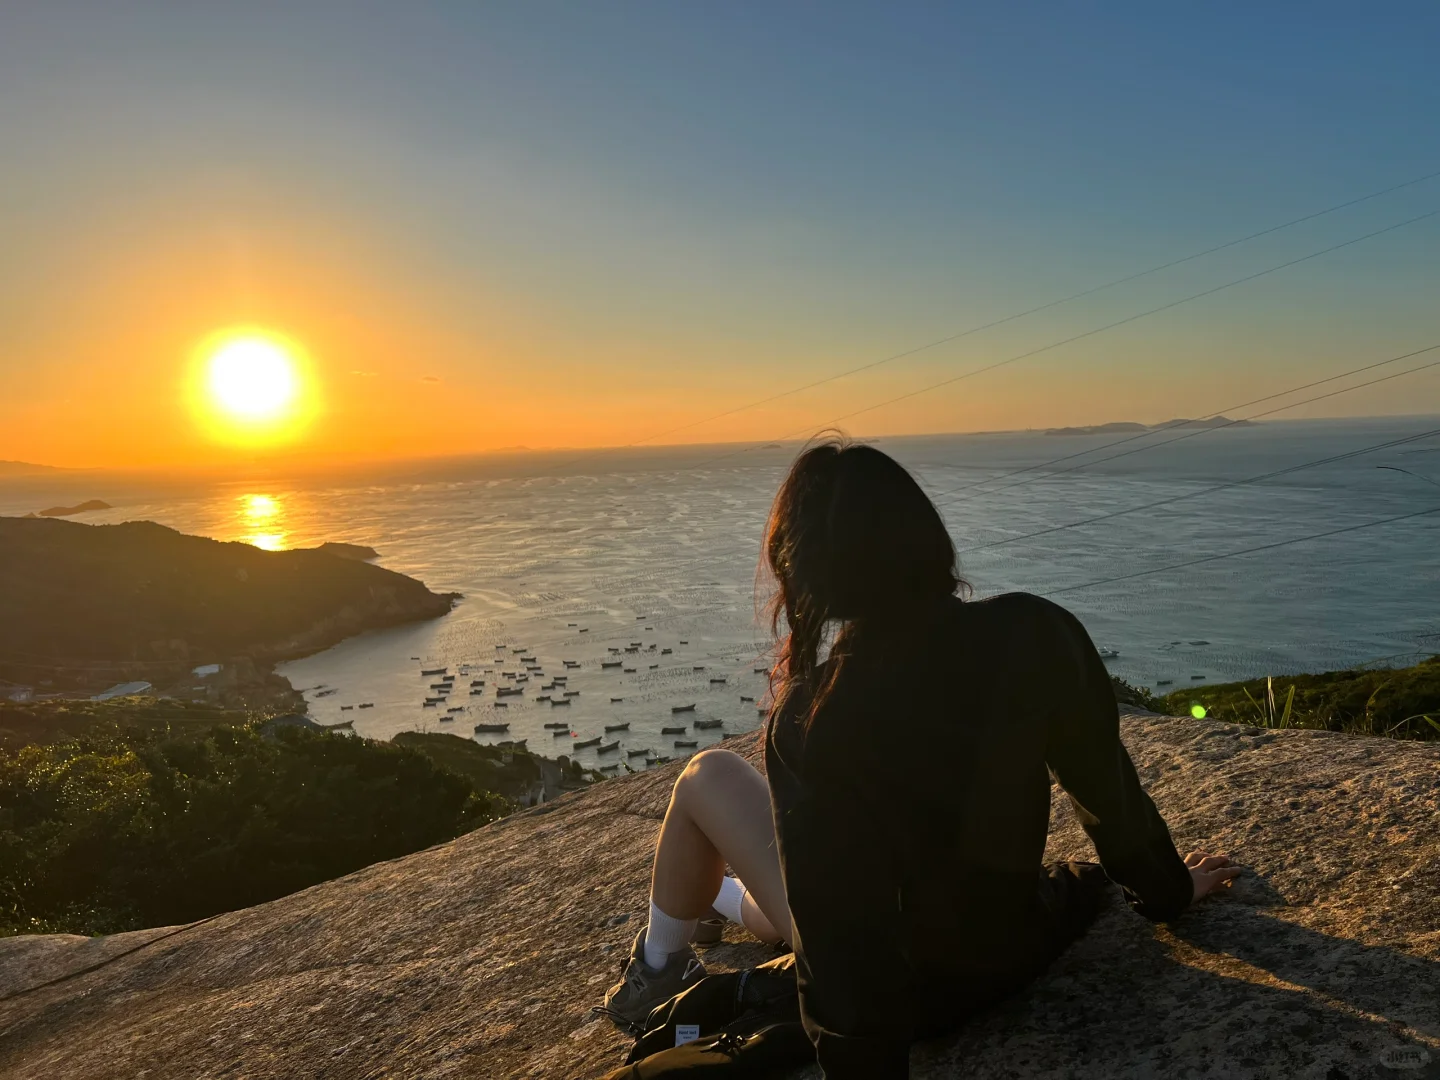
point(85, 607)
point(1125, 427)
point(24, 468)
point(68, 511)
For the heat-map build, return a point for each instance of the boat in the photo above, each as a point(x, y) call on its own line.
point(584, 744)
point(1163, 682)
point(661, 760)
point(689, 744)
point(572, 693)
point(491, 727)
point(476, 693)
point(327, 693)
point(414, 658)
point(629, 670)
point(562, 679)
point(618, 727)
point(447, 719)
point(562, 732)
point(666, 652)
point(433, 671)
point(527, 659)
point(682, 708)
point(543, 697)
point(343, 725)
point(502, 704)
point(477, 682)
point(365, 705)
point(744, 698)
point(698, 667)
point(563, 725)
point(706, 725)
point(427, 704)
point(343, 708)
point(447, 678)
point(572, 624)
point(684, 642)
point(654, 666)
point(511, 744)
point(637, 753)
point(673, 730)
point(460, 708)
point(584, 629)
point(719, 680)
point(509, 691)
point(761, 671)
point(547, 686)
point(611, 663)
point(435, 700)
point(439, 686)
point(608, 747)
point(609, 768)
point(1196, 677)
point(559, 701)
point(1109, 654)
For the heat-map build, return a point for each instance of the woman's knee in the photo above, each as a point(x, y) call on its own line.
point(710, 769)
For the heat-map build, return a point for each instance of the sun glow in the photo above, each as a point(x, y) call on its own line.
point(252, 387)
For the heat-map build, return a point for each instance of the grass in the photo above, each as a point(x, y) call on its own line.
point(1395, 703)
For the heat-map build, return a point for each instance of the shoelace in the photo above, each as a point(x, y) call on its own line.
point(632, 1028)
point(728, 1043)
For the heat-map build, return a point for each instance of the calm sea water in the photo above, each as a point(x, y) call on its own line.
point(570, 559)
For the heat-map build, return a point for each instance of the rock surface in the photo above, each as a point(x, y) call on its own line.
point(481, 957)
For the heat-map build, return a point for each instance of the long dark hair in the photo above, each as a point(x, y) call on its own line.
point(852, 539)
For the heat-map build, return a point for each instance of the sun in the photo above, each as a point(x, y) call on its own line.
point(252, 387)
point(252, 378)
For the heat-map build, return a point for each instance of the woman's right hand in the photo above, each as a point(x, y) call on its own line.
point(1210, 872)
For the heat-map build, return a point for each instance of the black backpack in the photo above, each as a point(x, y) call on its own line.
point(749, 1024)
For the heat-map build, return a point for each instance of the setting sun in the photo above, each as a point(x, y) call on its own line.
point(252, 387)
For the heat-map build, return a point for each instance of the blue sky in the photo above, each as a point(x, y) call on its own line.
point(662, 210)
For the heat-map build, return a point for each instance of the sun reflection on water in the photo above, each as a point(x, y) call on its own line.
point(262, 521)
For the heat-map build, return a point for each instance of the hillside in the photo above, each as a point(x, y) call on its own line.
point(86, 602)
point(481, 957)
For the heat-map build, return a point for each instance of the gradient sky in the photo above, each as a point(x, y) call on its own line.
point(585, 224)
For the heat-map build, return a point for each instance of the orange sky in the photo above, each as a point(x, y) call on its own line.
point(511, 237)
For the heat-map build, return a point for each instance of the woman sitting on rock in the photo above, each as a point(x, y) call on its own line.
point(909, 883)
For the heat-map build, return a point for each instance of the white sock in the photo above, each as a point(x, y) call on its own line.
point(665, 935)
point(730, 900)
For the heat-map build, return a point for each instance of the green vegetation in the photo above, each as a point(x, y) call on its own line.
point(511, 772)
point(1399, 703)
point(105, 827)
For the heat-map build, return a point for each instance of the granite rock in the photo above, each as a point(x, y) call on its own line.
point(481, 957)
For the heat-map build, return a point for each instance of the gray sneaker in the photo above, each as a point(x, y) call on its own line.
point(643, 987)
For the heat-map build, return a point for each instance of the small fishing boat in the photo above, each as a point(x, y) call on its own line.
point(618, 727)
point(612, 663)
point(433, 671)
point(762, 671)
point(547, 686)
point(572, 693)
point(447, 719)
point(481, 728)
point(343, 725)
point(682, 708)
point(629, 671)
point(543, 697)
point(460, 709)
point(666, 652)
point(343, 708)
point(706, 725)
point(563, 725)
point(1195, 678)
point(477, 693)
point(608, 747)
point(744, 698)
point(609, 768)
point(654, 666)
point(661, 760)
point(414, 658)
point(560, 679)
point(327, 693)
point(688, 744)
point(559, 701)
point(637, 753)
point(509, 691)
point(366, 705)
point(585, 744)
point(434, 700)
point(673, 730)
point(698, 667)
point(684, 642)
point(477, 682)
point(447, 678)
point(562, 732)
point(428, 704)
point(527, 659)
point(584, 629)
point(1109, 654)
point(715, 681)
point(439, 686)
point(1163, 682)
point(502, 704)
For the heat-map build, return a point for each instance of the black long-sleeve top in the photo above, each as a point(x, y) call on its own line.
point(912, 815)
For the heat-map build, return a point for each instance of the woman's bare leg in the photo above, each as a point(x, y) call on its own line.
point(720, 813)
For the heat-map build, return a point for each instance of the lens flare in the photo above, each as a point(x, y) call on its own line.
point(1197, 711)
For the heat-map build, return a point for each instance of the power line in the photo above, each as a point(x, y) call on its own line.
point(1220, 427)
point(1211, 490)
point(1126, 279)
point(1246, 551)
point(1215, 415)
point(1080, 336)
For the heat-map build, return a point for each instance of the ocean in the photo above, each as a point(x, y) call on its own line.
point(581, 556)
